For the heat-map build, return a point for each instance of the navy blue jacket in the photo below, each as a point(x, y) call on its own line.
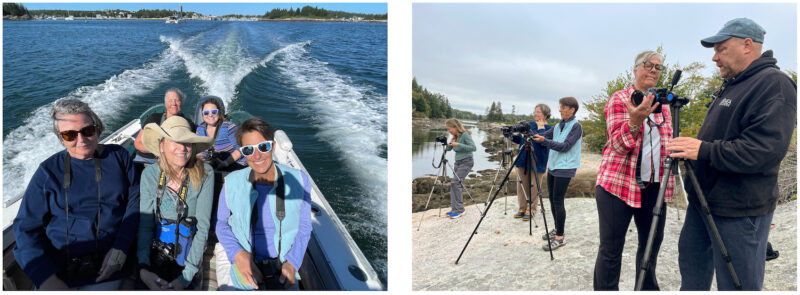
point(539, 151)
point(40, 226)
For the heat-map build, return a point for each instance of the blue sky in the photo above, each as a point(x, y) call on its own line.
point(213, 8)
point(528, 53)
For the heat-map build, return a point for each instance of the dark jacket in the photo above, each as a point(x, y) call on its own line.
point(540, 152)
point(41, 225)
point(745, 136)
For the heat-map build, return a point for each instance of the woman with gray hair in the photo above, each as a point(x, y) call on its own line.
point(74, 230)
point(540, 114)
point(630, 172)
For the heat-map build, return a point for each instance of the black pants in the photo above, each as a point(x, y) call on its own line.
point(614, 218)
point(557, 188)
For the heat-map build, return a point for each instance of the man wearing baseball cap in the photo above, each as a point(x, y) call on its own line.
point(736, 156)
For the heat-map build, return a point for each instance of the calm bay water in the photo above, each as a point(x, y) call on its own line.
point(424, 151)
point(322, 83)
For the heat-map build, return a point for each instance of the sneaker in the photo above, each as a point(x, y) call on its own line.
point(552, 235)
point(520, 213)
point(449, 213)
point(455, 215)
point(554, 244)
point(527, 216)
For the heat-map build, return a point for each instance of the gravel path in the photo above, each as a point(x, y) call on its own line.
point(503, 256)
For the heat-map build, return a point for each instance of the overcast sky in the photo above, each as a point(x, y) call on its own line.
point(525, 54)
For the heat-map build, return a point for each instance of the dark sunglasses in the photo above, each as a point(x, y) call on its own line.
point(263, 147)
point(71, 135)
point(212, 112)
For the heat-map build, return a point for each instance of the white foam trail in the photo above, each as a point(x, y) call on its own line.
point(222, 66)
point(351, 119)
point(33, 142)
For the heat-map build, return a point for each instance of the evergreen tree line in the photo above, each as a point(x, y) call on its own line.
point(314, 12)
point(428, 104)
point(14, 9)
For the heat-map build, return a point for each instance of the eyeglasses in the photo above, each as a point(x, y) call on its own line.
point(263, 147)
point(210, 112)
point(649, 66)
point(71, 135)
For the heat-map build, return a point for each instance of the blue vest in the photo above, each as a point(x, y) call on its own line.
point(241, 197)
point(572, 158)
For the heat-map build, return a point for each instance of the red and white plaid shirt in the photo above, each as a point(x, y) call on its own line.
point(617, 173)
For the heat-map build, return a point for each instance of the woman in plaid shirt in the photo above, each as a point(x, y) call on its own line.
point(630, 172)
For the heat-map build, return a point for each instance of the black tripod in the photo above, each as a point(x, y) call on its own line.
point(506, 157)
point(443, 165)
point(671, 167)
point(527, 148)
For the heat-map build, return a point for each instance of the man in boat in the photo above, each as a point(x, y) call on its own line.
point(80, 211)
point(263, 219)
point(173, 100)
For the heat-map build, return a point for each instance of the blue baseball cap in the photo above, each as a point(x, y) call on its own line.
point(740, 27)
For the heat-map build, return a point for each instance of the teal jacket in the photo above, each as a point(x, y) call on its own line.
point(241, 197)
point(465, 146)
point(198, 203)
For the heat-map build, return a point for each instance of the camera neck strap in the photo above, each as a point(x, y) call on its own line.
point(98, 175)
point(280, 204)
point(179, 206)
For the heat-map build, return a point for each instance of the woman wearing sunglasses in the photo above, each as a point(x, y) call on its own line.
point(224, 154)
point(177, 196)
point(78, 216)
point(630, 174)
point(263, 219)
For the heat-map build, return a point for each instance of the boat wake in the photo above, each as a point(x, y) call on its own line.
point(33, 142)
point(352, 119)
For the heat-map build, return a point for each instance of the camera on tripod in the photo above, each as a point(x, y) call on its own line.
point(522, 127)
point(442, 139)
point(662, 95)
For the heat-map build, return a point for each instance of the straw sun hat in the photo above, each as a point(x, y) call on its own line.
point(176, 128)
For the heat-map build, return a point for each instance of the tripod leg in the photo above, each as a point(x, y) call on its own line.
point(433, 187)
point(712, 225)
point(541, 204)
point(648, 249)
point(485, 212)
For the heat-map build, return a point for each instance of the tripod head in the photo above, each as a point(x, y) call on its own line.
point(441, 140)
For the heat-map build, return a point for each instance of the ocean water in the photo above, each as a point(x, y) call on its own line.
point(323, 83)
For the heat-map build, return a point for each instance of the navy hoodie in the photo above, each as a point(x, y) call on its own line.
point(745, 135)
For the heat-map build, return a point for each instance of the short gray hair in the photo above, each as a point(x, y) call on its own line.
point(545, 110)
point(74, 107)
point(177, 91)
point(645, 56)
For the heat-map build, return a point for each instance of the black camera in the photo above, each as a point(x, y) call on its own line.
point(82, 268)
point(522, 127)
point(662, 95)
point(442, 139)
point(162, 262)
point(271, 270)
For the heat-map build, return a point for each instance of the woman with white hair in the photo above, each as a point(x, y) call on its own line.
point(78, 216)
point(630, 172)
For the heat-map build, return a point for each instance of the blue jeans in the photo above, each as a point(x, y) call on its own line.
point(699, 256)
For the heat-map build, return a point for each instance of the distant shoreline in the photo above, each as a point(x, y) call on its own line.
point(260, 20)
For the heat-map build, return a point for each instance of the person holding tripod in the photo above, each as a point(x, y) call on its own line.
point(630, 172)
point(541, 113)
point(737, 153)
point(462, 144)
point(564, 142)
